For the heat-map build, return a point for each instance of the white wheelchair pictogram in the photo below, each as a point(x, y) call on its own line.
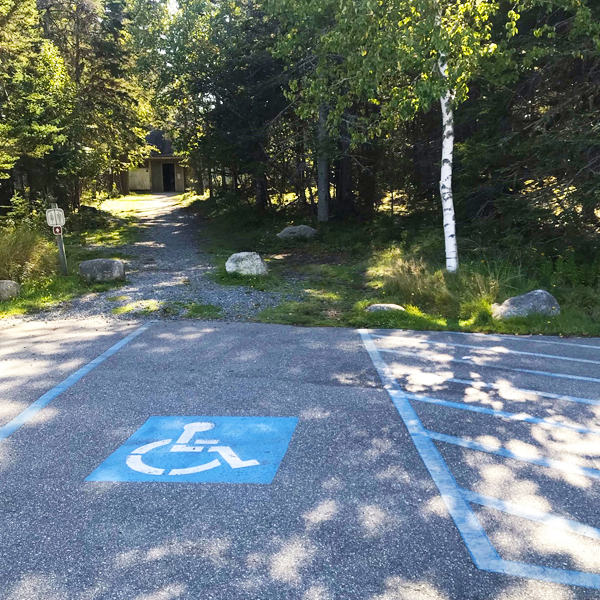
point(134, 460)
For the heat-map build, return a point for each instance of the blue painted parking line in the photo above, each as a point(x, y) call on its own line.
point(201, 450)
point(466, 361)
point(540, 462)
point(502, 414)
point(457, 500)
point(476, 384)
point(44, 400)
point(503, 351)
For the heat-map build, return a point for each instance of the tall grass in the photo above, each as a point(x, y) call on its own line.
point(25, 255)
point(468, 293)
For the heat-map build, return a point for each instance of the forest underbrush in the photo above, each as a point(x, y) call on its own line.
point(352, 264)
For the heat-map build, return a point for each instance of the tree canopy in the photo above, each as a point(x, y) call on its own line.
point(355, 105)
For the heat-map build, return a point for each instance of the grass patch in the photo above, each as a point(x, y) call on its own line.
point(26, 255)
point(191, 310)
point(203, 311)
point(258, 282)
point(142, 307)
point(44, 294)
point(350, 265)
point(113, 226)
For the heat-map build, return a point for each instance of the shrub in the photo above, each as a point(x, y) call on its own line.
point(86, 219)
point(25, 214)
point(25, 254)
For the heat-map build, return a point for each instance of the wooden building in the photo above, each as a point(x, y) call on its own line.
point(162, 171)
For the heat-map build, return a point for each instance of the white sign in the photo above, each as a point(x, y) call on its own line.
point(55, 217)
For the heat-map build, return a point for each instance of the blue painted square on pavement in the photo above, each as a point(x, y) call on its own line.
point(201, 450)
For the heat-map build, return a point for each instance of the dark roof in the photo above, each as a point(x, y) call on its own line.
point(157, 138)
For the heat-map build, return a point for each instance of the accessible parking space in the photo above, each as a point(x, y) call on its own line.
point(248, 461)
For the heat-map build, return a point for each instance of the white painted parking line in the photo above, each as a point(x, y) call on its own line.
point(559, 465)
point(532, 514)
point(44, 400)
point(432, 357)
point(475, 384)
point(496, 350)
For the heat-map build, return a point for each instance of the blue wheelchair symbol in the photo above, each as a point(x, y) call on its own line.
point(201, 449)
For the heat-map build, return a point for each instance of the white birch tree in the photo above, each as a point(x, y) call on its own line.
point(446, 196)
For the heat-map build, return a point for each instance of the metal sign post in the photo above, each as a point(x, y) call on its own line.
point(55, 217)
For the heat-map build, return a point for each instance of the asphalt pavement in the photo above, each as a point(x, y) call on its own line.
point(235, 461)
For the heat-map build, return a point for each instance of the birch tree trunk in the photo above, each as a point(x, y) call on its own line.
point(322, 169)
point(446, 170)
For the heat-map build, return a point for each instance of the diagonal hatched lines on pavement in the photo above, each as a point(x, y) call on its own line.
point(458, 500)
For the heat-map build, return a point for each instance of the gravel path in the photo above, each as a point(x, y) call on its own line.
point(166, 274)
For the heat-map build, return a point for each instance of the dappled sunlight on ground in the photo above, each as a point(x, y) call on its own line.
point(213, 549)
point(168, 592)
point(287, 563)
point(39, 587)
point(353, 512)
point(398, 588)
point(522, 540)
point(36, 356)
point(374, 520)
point(325, 511)
point(549, 438)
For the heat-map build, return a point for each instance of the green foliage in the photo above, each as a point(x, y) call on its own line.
point(48, 292)
point(224, 87)
point(26, 255)
point(202, 311)
point(330, 280)
point(33, 86)
point(381, 56)
point(238, 85)
point(71, 103)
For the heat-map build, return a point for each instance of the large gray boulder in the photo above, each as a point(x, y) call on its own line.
point(297, 231)
point(384, 307)
point(100, 270)
point(538, 302)
point(246, 263)
point(9, 289)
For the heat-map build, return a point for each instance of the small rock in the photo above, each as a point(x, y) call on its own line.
point(246, 263)
point(100, 270)
point(297, 231)
point(383, 307)
point(538, 302)
point(9, 289)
